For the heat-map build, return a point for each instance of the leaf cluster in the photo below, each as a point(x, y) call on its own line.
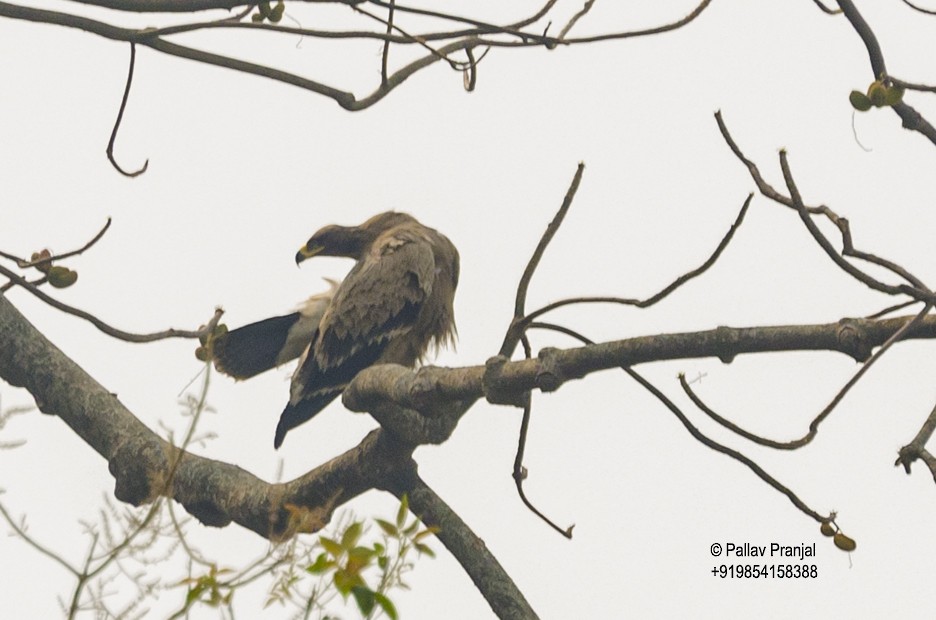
point(345, 560)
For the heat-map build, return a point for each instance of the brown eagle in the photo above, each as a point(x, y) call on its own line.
point(394, 304)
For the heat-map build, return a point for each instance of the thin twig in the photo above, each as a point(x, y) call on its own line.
point(120, 113)
point(26, 264)
point(34, 544)
point(585, 9)
point(696, 433)
point(826, 9)
point(515, 330)
point(386, 48)
point(519, 471)
point(104, 327)
point(927, 88)
point(814, 425)
point(919, 8)
point(667, 290)
point(460, 40)
point(916, 449)
point(889, 309)
point(919, 291)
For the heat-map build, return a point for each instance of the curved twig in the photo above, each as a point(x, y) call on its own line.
point(889, 309)
point(814, 425)
point(918, 8)
point(918, 291)
point(574, 19)
point(519, 471)
point(104, 327)
point(695, 432)
point(385, 56)
point(515, 331)
point(668, 289)
point(826, 9)
point(457, 41)
point(25, 264)
point(120, 113)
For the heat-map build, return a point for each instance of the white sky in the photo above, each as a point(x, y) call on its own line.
point(243, 169)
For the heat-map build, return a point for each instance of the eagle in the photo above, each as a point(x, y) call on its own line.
point(392, 307)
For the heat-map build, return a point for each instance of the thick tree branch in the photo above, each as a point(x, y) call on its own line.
point(218, 493)
point(214, 492)
point(501, 593)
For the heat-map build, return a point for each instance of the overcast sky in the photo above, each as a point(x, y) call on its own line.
point(242, 170)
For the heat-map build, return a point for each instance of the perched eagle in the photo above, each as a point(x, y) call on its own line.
point(394, 303)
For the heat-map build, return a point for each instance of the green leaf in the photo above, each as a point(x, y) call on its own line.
point(61, 277)
point(877, 93)
point(859, 101)
point(331, 546)
point(345, 580)
point(350, 537)
point(277, 13)
point(894, 95)
point(193, 593)
point(387, 606)
point(388, 528)
point(321, 564)
point(365, 598)
point(403, 511)
point(359, 558)
point(843, 542)
point(424, 549)
point(429, 531)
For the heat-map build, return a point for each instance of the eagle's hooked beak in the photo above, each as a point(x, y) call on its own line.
point(306, 252)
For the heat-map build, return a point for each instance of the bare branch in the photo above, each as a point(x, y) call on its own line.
point(700, 436)
point(645, 32)
point(826, 9)
point(916, 449)
point(714, 445)
point(25, 264)
point(919, 8)
point(120, 113)
point(464, 40)
point(386, 48)
point(519, 471)
point(919, 290)
point(912, 119)
point(911, 86)
point(814, 425)
point(22, 534)
point(501, 593)
point(581, 13)
point(101, 325)
point(668, 289)
point(515, 330)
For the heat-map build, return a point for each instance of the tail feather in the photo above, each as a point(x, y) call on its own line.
point(304, 410)
point(254, 348)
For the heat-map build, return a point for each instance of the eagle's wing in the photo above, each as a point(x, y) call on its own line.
point(379, 300)
point(257, 347)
